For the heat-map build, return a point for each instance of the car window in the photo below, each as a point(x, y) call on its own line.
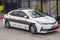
point(14, 13)
point(21, 14)
point(35, 14)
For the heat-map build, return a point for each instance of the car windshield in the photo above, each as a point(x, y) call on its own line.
point(35, 14)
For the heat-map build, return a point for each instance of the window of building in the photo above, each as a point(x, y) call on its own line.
point(44, 1)
point(32, 3)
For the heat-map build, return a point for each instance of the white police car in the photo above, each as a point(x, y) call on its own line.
point(31, 20)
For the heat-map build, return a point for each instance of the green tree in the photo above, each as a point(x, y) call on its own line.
point(38, 9)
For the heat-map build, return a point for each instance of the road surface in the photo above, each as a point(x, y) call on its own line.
point(18, 34)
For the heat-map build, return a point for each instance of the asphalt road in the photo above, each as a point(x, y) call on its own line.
point(18, 34)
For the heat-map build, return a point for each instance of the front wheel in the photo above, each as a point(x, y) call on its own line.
point(33, 29)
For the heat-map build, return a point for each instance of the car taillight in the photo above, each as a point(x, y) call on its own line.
point(54, 26)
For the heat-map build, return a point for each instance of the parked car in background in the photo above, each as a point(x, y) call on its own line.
point(31, 20)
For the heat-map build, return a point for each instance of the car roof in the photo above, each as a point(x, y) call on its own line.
point(24, 10)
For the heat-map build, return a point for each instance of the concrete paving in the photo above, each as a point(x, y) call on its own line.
point(18, 34)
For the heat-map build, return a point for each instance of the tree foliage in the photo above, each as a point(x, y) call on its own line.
point(37, 8)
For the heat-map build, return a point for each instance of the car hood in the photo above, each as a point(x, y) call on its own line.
point(46, 19)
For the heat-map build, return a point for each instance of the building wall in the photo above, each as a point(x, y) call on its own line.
point(38, 4)
point(53, 9)
point(25, 4)
point(45, 6)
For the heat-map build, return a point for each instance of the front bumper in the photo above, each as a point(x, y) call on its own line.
point(48, 30)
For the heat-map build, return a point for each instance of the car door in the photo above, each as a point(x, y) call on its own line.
point(23, 20)
point(13, 18)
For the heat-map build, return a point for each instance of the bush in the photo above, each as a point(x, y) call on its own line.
point(38, 9)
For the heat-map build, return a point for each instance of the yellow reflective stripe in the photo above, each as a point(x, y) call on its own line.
point(23, 21)
point(12, 19)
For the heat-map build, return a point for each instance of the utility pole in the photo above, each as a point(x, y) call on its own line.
point(29, 3)
point(41, 5)
point(57, 7)
point(57, 11)
point(22, 3)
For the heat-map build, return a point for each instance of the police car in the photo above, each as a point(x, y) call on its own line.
point(31, 20)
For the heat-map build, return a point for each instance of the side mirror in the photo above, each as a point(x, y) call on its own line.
point(26, 17)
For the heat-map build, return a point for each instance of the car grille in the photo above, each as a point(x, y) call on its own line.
point(50, 23)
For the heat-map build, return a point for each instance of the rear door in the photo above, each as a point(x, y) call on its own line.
point(23, 20)
point(13, 18)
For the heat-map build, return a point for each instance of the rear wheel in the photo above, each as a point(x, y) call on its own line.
point(33, 29)
point(7, 24)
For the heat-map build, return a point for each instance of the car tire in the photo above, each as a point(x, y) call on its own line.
point(33, 29)
point(7, 24)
